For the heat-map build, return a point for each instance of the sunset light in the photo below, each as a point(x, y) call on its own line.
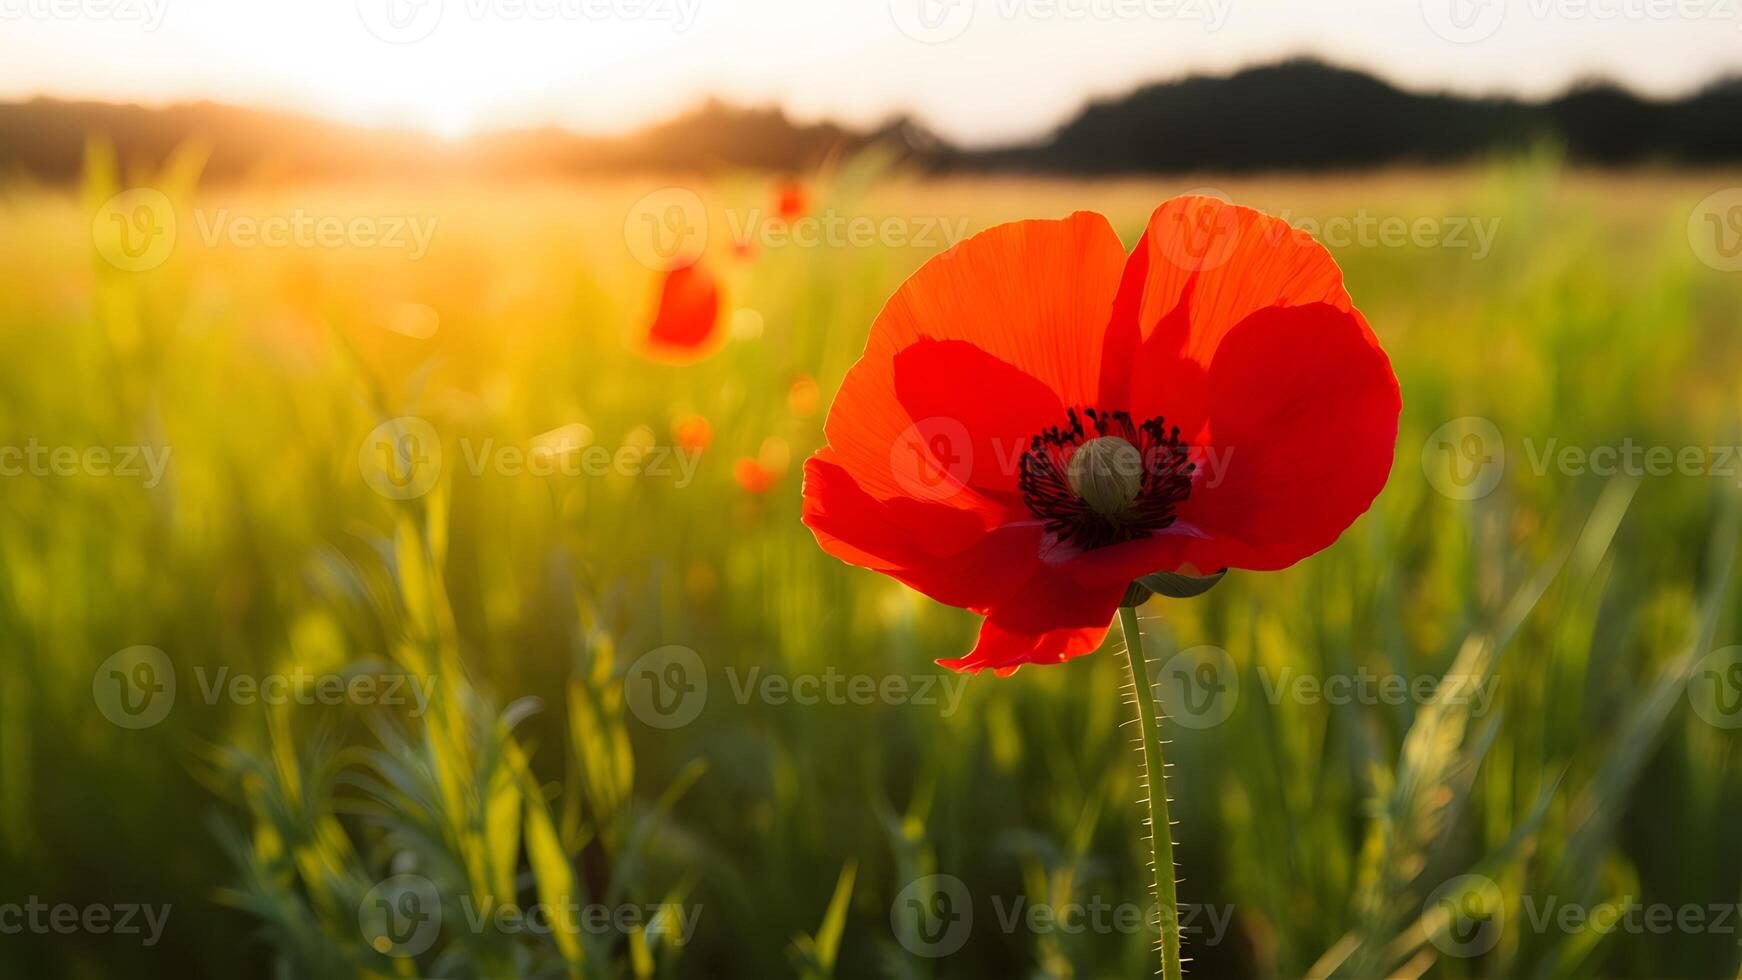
point(967, 67)
point(870, 489)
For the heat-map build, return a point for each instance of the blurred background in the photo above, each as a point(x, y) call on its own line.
point(402, 404)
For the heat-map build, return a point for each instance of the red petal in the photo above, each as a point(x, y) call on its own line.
point(1034, 294)
point(1303, 427)
point(1121, 563)
point(687, 314)
point(1202, 266)
point(1004, 652)
point(980, 412)
point(943, 551)
point(1041, 625)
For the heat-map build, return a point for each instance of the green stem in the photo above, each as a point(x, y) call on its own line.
point(1155, 773)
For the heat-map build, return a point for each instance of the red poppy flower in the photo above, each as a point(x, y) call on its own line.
point(687, 314)
point(803, 396)
point(791, 201)
point(752, 476)
point(693, 433)
point(1039, 418)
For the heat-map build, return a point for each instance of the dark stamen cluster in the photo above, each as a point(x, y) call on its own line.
point(1163, 478)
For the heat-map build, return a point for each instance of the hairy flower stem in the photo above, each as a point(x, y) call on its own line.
point(1155, 780)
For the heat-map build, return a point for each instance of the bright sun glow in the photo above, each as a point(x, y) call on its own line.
point(460, 66)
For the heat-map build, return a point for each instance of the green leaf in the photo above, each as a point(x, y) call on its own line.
point(1175, 585)
point(828, 938)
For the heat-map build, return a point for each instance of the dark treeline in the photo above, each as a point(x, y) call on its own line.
point(1303, 115)
point(1293, 116)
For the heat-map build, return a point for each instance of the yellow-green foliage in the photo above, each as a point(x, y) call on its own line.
point(1585, 599)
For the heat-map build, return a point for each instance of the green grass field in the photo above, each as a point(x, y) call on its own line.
point(397, 724)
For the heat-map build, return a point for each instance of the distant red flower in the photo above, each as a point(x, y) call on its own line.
point(686, 317)
point(752, 476)
point(692, 433)
point(1038, 419)
point(791, 201)
point(803, 396)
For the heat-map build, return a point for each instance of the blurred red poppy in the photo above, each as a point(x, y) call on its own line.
point(1039, 419)
point(752, 476)
point(791, 201)
point(803, 396)
point(686, 317)
point(692, 433)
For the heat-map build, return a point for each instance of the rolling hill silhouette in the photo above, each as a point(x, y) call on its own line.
point(1293, 116)
point(1304, 115)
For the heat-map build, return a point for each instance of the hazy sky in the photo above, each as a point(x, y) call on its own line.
point(977, 70)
